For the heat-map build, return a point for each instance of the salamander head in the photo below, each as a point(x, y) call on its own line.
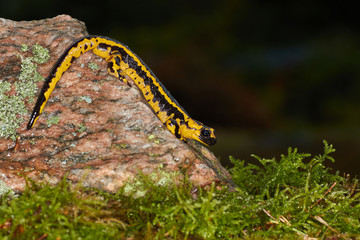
point(207, 136)
point(197, 131)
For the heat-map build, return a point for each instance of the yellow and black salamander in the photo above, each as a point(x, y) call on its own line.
point(123, 62)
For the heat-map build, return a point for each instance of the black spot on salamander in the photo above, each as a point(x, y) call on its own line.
point(72, 59)
point(162, 105)
point(177, 131)
point(139, 69)
point(117, 49)
point(147, 81)
point(154, 88)
point(103, 46)
point(117, 60)
point(110, 66)
point(85, 47)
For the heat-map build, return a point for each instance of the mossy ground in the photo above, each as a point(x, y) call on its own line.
point(295, 197)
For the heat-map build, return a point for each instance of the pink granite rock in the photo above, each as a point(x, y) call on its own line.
point(106, 133)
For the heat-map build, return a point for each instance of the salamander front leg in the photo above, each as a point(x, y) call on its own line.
point(114, 68)
point(174, 128)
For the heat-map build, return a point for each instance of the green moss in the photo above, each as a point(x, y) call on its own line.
point(55, 213)
point(295, 197)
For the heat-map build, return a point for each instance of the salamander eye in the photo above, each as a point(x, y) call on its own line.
point(205, 133)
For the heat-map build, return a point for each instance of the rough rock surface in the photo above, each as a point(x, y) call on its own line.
point(105, 133)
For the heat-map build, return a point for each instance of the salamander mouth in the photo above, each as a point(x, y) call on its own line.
point(208, 140)
point(211, 141)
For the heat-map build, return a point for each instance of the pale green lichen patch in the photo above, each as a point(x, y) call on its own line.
point(4, 87)
point(93, 66)
point(87, 99)
point(24, 48)
point(5, 190)
point(154, 139)
point(41, 55)
point(53, 120)
point(26, 89)
point(81, 128)
point(29, 70)
point(12, 107)
point(151, 137)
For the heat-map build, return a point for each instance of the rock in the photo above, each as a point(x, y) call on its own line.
point(94, 129)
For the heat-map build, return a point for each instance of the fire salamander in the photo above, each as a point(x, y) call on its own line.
point(121, 62)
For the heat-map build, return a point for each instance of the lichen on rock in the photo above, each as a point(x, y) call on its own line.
point(12, 110)
point(12, 106)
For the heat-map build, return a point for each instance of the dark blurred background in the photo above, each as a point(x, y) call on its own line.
point(267, 76)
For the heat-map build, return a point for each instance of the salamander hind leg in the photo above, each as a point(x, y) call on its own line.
point(114, 68)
